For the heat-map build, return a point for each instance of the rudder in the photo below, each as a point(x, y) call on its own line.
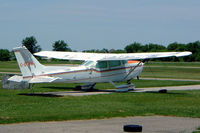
point(28, 64)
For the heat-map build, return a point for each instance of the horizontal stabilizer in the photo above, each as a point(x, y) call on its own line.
point(45, 79)
point(16, 78)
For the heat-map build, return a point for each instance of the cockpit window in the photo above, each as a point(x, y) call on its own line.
point(88, 63)
point(102, 64)
point(114, 63)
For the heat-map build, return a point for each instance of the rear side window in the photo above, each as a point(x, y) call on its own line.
point(124, 61)
point(114, 63)
point(102, 64)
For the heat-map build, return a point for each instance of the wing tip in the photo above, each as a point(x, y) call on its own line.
point(181, 54)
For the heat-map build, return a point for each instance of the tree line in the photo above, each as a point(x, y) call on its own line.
point(60, 45)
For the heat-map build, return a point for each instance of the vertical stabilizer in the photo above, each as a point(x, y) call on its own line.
point(28, 64)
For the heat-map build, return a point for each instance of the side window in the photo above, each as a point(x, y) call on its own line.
point(124, 61)
point(102, 64)
point(114, 63)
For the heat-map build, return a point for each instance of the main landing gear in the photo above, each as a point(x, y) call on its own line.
point(119, 88)
point(124, 88)
point(86, 87)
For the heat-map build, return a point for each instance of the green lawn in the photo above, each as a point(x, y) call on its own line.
point(176, 70)
point(176, 64)
point(171, 72)
point(8, 64)
point(16, 107)
point(197, 131)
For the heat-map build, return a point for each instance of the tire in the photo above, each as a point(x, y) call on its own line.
point(132, 128)
point(78, 87)
point(163, 91)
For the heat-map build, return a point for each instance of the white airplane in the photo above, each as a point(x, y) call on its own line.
point(97, 68)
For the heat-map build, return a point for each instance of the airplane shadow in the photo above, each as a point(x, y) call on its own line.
point(77, 89)
point(40, 94)
point(106, 90)
point(60, 88)
point(170, 93)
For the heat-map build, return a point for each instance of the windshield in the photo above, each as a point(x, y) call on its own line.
point(88, 63)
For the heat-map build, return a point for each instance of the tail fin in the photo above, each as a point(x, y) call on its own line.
point(28, 64)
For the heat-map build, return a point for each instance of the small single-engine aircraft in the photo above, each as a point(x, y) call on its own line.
point(97, 68)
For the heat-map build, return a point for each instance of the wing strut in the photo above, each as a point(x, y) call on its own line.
point(132, 69)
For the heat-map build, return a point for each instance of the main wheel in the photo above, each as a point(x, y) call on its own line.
point(78, 87)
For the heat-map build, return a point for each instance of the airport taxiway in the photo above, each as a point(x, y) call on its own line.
point(150, 124)
point(98, 92)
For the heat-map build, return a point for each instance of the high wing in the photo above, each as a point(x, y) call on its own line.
point(108, 56)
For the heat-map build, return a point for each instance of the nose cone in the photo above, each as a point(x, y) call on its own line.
point(133, 62)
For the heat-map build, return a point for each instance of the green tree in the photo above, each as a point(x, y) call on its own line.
point(193, 47)
point(104, 50)
point(12, 55)
point(176, 47)
point(133, 48)
point(4, 55)
point(156, 48)
point(30, 44)
point(145, 48)
point(60, 45)
point(90, 51)
point(117, 51)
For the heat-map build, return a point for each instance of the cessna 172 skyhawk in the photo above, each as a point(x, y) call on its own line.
point(98, 67)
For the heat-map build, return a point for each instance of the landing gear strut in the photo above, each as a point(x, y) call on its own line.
point(128, 81)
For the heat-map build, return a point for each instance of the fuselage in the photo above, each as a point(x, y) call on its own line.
point(95, 72)
point(97, 68)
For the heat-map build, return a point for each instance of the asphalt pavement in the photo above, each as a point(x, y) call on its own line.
point(150, 124)
point(98, 92)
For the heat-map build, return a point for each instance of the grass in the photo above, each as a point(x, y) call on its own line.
point(176, 70)
point(175, 64)
point(8, 64)
point(16, 107)
point(171, 72)
point(197, 131)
